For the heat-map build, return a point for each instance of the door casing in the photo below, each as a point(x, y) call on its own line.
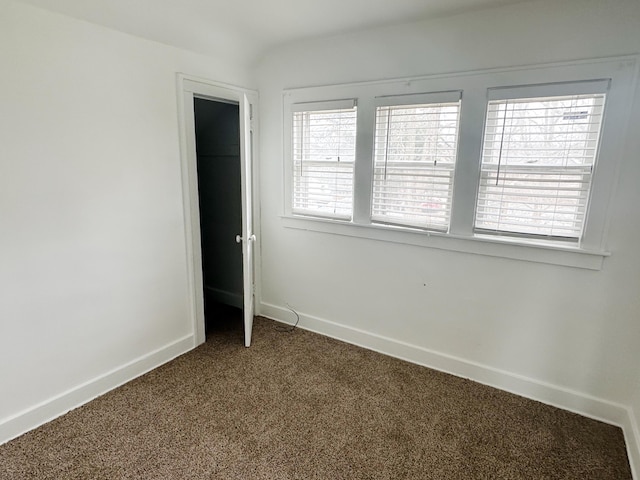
point(189, 87)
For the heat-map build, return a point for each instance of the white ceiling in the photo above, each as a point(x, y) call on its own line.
point(249, 28)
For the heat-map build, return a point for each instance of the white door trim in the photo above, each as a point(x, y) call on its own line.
point(189, 86)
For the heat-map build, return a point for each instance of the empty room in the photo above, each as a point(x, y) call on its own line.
point(293, 239)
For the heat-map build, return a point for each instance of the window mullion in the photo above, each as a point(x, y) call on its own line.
point(467, 173)
point(363, 174)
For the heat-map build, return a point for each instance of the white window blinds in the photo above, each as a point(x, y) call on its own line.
point(323, 160)
point(414, 159)
point(537, 164)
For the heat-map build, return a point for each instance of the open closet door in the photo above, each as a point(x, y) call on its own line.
point(248, 238)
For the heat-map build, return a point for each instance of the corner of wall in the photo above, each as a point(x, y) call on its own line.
point(631, 430)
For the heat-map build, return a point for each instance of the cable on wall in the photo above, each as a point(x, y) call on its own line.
point(281, 328)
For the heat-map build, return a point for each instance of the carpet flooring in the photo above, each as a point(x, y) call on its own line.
point(302, 406)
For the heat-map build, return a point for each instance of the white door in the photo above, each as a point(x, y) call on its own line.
point(248, 237)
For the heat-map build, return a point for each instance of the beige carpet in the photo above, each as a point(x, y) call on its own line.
point(302, 406)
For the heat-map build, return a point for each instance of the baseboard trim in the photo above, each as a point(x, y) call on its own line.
point(54, 407)
point(632, 438)
point(554, 395)
point(226, 297)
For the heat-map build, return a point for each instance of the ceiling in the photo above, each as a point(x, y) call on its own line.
point(249, 28)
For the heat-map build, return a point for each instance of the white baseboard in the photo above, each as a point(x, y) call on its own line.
point(554, 395)
point(226, 297)
point(46, 411)
point(632, 437)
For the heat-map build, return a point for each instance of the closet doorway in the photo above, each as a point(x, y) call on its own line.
point(217, 132)
point(216, 137)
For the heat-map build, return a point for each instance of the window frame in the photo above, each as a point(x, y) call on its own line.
point(313, 107)
point(453, 96)
point(586, 87)
point(476, 88)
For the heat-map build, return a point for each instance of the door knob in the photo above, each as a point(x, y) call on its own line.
point(252, 238)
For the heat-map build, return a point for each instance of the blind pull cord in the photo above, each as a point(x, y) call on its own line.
point(386, 147)
point(504, 121)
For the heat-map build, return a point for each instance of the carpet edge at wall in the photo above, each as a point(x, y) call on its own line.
point(554, 395)
point(79, 395)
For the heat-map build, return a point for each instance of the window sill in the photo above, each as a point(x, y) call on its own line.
point(517, 249)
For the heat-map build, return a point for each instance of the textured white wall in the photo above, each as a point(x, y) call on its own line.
point(92, 247)
point(575, 329)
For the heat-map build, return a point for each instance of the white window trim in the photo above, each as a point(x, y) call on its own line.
point(319, 106)
point(418, 98)
point(476, 88)
point(514, 248)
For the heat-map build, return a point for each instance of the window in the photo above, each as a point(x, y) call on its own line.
point(323, 161)
point(414, 159)
point(517, 162)
point(537, 163)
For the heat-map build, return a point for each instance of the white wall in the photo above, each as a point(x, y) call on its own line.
point(92, 244)
point(570, 329)
point(92, 249)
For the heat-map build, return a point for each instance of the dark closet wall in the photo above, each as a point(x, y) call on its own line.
point(218, 153)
